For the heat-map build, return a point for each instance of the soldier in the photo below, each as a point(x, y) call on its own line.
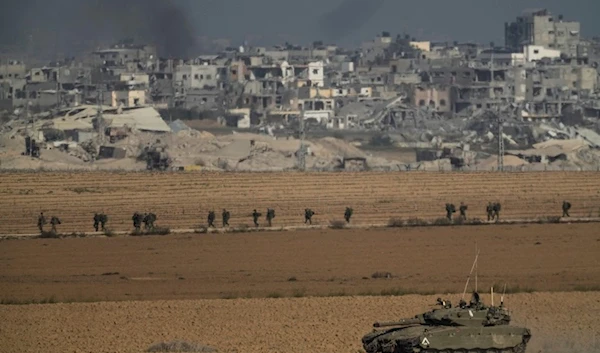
point(490, 211)
point(255, 216)
point(146, 220)
point(137, 220)
point(463, 211)
point(308, 213)
point(103, 220)
point(270, 215)
point(54, 221)
point(211, 219)
point(151, 219)
point(96, 221)
point(41, 222)
point(226, 216)
point(566, 206)
point(450, 209)
point(348, 214)
point(496, 207)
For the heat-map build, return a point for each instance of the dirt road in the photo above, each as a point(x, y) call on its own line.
point(319, 262)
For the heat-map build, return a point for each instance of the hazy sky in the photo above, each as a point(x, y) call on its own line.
point(66, 22)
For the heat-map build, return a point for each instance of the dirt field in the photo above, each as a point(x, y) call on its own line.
point(560, 323)
point(182, 200)
point(549, 257)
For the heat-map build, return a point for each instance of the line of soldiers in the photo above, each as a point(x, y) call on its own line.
point(147, 218)
point(100, 219)
point(42, 222)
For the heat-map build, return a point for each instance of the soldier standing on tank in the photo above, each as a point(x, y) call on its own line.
point(41, 222)
point(308, 213)
point(463, 211)
point(348, 214)
point(211, 219)
point(490, 211)
point(270, 215)
point(225, 216)
point(54, 221)
point(450, 209)
point(497, 207)
point(255, 216)
point(566, 206)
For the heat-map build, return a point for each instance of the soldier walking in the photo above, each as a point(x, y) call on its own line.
point(270, 215)
point(41, 222)
point(96, 221)
point(255, 216)
point(348, 214)
point(211, 219)
point(137, 220)
point(308, 213)
point(490, 211)
point(450, 209)
point(463, 211)
point(496, 208)
point(566, 206)
point(103, 220)
point(225, 216)
point(54, 221)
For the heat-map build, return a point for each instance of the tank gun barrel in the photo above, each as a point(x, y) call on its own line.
point(403, 322)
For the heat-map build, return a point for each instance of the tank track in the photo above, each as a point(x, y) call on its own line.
point(517, 349)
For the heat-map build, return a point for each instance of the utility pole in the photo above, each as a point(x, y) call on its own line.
point(500, 142)
point(99, 115)
point(302, 151)
point(27, 102)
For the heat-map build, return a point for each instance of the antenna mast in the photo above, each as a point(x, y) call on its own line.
point(469, 277)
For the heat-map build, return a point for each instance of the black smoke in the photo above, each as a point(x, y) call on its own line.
point(73, 26)
point(347, 18)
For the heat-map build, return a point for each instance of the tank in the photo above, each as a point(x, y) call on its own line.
point(467, 328)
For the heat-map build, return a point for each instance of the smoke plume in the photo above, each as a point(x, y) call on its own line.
point(348, 17)
point(72, 26)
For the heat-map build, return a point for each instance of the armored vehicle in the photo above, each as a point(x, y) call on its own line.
point(467, 328)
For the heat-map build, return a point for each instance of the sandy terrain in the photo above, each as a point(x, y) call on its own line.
point(182, 200)
point(323, 262)
point(565, 323)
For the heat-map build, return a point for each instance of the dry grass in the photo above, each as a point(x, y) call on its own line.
point(179, 346)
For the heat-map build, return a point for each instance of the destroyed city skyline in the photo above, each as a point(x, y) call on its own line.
point(174, 26)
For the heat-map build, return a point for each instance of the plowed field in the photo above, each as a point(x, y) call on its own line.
point(560, 323)
point(182, 200)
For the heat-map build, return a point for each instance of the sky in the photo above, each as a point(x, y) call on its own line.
point(176, 24)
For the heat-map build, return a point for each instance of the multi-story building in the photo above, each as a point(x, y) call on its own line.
point(541, 28)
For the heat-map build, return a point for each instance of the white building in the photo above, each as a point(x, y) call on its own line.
point(538, 52)
point(316, 73)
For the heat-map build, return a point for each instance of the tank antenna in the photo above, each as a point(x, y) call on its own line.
point(502, 297)
point(492, 293)
point(476, 265)
point(470, 273)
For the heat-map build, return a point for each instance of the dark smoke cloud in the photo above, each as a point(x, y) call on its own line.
point(347, 18)
point(71, 26)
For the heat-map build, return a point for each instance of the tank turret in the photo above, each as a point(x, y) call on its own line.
point(473, 327)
